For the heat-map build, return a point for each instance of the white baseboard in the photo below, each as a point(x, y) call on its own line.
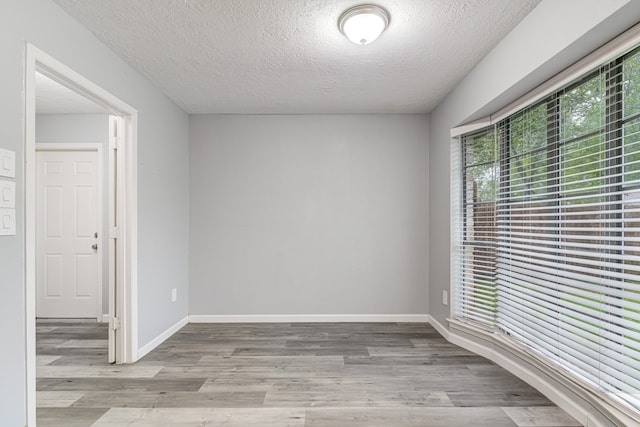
point(568, 395)
point(442, 330)
point(316, 318)
point(520, 368)
point(145, 349)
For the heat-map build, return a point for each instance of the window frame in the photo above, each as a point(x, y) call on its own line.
point(613, 147)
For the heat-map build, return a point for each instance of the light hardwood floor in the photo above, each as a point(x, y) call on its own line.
point(300, 374)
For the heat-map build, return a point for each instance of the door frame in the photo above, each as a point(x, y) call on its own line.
point(123, 237)
point(97, 148)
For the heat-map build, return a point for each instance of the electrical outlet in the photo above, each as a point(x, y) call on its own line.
point(445, 297)
point(174, 295)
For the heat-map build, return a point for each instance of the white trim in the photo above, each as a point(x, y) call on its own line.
point(606, 53)
point(162, 337)
point(30, 232)
point(105, 318)
point(111, 221)
point(471, 126)
point(128, 243)
point(97, 147)
point(308, 318)
point(442, 330)
point(68, 146)
point(37, 60)
point(584, 406)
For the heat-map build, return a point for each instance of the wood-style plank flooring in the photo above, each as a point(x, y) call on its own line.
point(300, 374)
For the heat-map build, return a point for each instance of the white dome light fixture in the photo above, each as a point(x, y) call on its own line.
point(364, 23)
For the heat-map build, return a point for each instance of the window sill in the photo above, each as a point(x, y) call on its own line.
point(590, 407)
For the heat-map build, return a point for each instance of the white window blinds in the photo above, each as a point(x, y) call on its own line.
point(547, 228)
point(474, 215)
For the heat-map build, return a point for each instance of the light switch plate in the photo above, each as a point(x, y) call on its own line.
point(445, 297)
point(7, 163)
point(7, 222)
point(7, 194)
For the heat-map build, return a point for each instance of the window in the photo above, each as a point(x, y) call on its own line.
point(479, 173)
point(546, 207)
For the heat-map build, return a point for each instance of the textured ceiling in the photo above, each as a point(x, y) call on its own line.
point(288, 56)
point(54, 98)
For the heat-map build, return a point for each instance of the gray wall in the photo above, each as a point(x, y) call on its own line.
point(83, 128)
point(163, 180)
point(553, 36)
point(308, 215)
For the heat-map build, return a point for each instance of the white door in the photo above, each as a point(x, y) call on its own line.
point(68, 227)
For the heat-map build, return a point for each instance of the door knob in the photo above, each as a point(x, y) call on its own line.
point(94, 246)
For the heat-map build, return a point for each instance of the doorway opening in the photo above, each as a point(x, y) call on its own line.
point(117, 239)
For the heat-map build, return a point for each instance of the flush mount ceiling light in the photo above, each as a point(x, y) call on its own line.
point(363, 24)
